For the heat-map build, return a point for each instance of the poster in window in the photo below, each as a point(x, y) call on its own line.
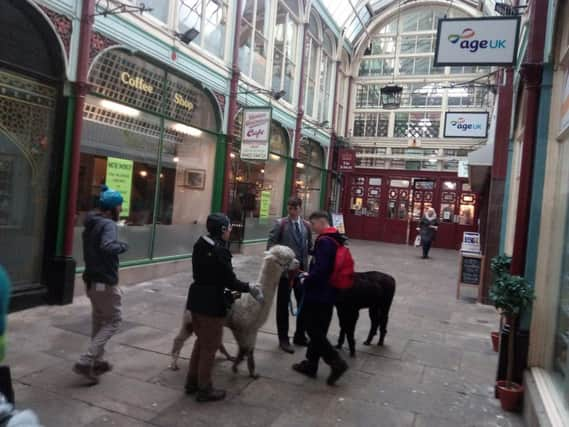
point(338, 222)
point(256, 133)
point(265, 204)
point(119, 178)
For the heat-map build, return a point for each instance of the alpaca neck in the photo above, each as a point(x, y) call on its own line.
point(269, 277)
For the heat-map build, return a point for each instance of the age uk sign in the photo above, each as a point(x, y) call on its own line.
point(466, 125)
point(477, 41)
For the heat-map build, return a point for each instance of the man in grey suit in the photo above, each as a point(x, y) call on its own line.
point(294, 232)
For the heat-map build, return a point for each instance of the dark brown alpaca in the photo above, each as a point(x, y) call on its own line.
point(372, 290)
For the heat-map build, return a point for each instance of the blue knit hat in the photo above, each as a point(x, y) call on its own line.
point(109, 198)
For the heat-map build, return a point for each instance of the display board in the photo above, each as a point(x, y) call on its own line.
point(470, 270)
point(459, 124)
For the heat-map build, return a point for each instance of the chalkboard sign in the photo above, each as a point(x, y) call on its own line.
point(470, 271)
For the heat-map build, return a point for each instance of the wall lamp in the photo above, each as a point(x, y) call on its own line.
point(188, 36)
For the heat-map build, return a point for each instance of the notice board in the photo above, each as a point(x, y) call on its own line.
point(119, 177)
point(470, 270)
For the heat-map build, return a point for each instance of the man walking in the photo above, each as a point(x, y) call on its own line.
point(101, 249)
point(294, 232)
point(319, 300)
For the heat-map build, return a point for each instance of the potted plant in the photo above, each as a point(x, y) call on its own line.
point(511, 295)
point(500, 266)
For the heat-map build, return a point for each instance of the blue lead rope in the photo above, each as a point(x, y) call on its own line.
point(296, 312)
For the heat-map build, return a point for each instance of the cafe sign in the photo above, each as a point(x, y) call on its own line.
point(256, 133)
point(477, 41)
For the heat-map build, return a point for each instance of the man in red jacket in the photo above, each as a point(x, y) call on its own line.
point(319, 300)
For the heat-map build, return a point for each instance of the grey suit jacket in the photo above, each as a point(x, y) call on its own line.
point(282, 233)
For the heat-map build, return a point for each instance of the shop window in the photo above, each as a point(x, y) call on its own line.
point(424, 185)
point(399, 183)
point(258, 189)
point(398, 164)
point(375, 181)
point(186, 187)
point(417, 125)
point(285, 48)
point(466, 187)
point(467, 209)
point(253, 43)
point(372, 207)
point(124, 158)
point(209, 18)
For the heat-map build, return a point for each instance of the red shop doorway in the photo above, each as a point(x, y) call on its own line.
point(388, 205)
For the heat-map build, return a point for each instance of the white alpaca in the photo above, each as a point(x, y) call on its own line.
point(247, 315)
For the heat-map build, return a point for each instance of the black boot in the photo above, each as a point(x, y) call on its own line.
point(191, 387)
point(338, 368)
point(210, 394)
point(300, 340)
point(285, 346)
point(305, 368)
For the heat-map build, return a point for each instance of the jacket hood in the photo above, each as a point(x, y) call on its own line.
point(93, 218)
point(335, 234)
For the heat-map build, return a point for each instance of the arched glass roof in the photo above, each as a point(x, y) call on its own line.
point(353, 15)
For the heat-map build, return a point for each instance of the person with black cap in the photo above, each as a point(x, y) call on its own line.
point(209, 301)
point(101, 249)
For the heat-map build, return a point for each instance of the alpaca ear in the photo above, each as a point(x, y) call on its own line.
point(266, 253)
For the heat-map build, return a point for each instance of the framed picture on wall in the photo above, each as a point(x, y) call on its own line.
point(195, 178)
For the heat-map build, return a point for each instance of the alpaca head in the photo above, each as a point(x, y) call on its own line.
point(283, 256)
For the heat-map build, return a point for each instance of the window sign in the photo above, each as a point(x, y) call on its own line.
point(466, 125)
point(256, 132)
point(119, 177)
point(477, 41)
point(347, 160)
point(265, 204)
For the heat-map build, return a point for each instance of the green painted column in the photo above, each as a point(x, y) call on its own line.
point(64, 189)
point(219, 170)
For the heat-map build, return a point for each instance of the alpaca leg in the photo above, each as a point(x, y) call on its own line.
point(251, 364)
point(185, 332)
point(342, 320)
point(351, 333)
point(240, 356)
point(224, 351)
point(383, 319)
point(372, 329)
point(374, 318)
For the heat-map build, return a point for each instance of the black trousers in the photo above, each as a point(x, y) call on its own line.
point(318, 317)
point(283, 299)
point(426, 247)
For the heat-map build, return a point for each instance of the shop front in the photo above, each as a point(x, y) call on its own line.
point(387, 205)
point(31, 144)
point(150, 134)
point(259, 187)
point(311, 176)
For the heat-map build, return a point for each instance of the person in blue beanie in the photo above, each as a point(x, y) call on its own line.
point(101, 250)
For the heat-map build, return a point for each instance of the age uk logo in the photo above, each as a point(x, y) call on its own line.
point(462, 124)
point(467, 40)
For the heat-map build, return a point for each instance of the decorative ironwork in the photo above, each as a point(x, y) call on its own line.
point(115, 7)
point(99, 43)
point(62, 25)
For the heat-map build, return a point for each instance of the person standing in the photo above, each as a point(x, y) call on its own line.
point(294, 232)
point(101, 249)
point(208, 302)
point(427, 230)
point(319, 300)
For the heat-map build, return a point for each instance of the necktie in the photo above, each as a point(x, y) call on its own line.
point(297, 229)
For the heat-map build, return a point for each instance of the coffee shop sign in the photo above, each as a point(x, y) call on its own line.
point(137, 82)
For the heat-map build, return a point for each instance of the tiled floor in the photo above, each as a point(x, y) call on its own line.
point(436, 369)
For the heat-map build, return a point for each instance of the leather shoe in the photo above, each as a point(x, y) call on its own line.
point(300, 341)
point(338, 368)
point(210, 394)
point(286, 347)
point(305, 368)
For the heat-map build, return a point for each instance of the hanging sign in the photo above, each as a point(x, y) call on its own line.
point(477, 41)
point(256, 133)
point(466, 125)
point(346, 160)
point(119, 177)
point(462, 169)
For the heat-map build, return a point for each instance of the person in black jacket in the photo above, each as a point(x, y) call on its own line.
point(101, 249)
point(319, 300)
point(209, 301)
point(427, 230)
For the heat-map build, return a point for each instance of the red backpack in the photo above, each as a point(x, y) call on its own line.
point(343, 273)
